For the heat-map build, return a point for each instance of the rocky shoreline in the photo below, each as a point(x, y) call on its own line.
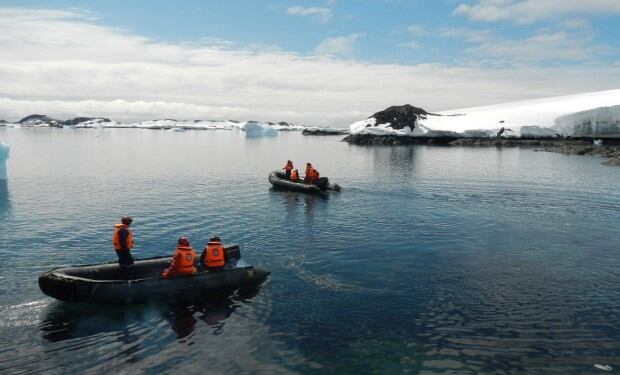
point(324, 131)
point(609, 148)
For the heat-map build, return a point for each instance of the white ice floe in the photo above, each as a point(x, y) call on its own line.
point(4, 155)
point(588, 114)
point(603, 367)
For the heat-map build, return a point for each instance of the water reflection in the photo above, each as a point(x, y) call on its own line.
point(5, 203)
point(291, 201)
point(182, 321)
point(64, 321)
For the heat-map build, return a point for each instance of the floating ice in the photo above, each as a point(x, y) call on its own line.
point(255, 129)
point(603, 367)
point(4, 154)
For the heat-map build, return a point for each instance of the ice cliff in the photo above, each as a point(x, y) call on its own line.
point(600, 122)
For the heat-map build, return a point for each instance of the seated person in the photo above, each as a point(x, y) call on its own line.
point(315, 176)
point(288, 168)
point(213, 255)
point(182, 260)
point(312, 175)
point(294, 175)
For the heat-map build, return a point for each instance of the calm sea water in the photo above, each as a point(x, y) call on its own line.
point(430, 260)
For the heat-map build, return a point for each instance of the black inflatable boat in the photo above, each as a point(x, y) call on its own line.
point(280, 181)
point(109, 284)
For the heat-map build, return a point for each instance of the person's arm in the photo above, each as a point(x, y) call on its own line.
point(123, 233)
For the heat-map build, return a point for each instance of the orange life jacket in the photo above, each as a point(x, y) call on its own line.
point(116, 241)
point(294, 175)
point(315, 175)
point(288, 166)
point(184, 259)
point(215, 254)
point(309, 172)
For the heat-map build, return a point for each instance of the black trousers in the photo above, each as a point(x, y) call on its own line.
point(124, 257)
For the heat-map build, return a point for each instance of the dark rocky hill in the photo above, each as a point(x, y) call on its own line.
point(400, 116)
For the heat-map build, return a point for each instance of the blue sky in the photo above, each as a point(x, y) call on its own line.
point(400, 31)
point(487, 50)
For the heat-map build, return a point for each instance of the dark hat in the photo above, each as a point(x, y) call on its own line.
point(126, 220)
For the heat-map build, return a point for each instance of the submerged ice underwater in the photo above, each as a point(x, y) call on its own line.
point(438, 260)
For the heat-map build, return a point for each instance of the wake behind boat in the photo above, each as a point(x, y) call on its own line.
point(280, 181)
point(107, 283)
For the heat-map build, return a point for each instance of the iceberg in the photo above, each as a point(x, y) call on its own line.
point(255, 129)
point(4, 155)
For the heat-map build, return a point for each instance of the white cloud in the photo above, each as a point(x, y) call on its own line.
point(339, 46)
point(469, 35)
point(556, 46)
point(321, 13)
point(576, 23)
point(546, 45)
point(61, 64)
point(528, 11)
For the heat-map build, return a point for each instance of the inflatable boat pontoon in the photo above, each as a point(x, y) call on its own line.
point(109, 284)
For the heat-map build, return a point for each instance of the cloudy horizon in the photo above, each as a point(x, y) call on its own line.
point(68, 62)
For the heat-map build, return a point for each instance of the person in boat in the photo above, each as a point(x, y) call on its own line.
point(294, 175)
point(212, 256)
point(182, 261)
point(288, 168)
point(312, 175)
point(122, 240)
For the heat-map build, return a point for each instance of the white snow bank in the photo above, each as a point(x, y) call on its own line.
point(541, 113)
point(182, 124)
point(4, 155)
point(531, 118)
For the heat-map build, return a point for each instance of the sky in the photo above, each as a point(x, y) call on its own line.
point(318, 63)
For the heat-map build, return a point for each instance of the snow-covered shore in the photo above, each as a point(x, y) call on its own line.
point(595, 114)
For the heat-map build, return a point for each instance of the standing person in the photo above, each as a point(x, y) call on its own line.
point(288, 168)
point(182, 261)
point(122, 240)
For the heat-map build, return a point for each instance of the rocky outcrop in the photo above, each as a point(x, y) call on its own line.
point(396, 140)
point(43, 120)
point(79, 120)
point(400, 117)
point(324, 131)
